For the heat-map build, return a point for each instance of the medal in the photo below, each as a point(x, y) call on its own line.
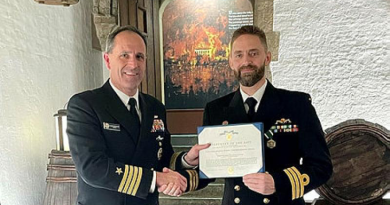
point(271, 144)
point(159, 153)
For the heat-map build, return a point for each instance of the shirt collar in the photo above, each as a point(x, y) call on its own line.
point(125, 98)
point(258, 95)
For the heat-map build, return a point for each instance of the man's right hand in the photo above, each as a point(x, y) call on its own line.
point(170, 182)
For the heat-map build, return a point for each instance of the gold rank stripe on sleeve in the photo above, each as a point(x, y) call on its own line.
point(131, 180)
point(193, 180)
point(297, 184)
point(292, 183)
point(172, 164)
point(298, 181)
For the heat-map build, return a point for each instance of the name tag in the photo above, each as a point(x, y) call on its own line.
point(111, 126)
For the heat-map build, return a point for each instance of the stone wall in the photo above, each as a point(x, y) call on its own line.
point(339, 52)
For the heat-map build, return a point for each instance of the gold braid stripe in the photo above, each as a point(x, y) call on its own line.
point(296, 179)
point(304, 180)
point(124, 178)
point(133, 179)
point(173, 160)
point(196, 180)
point(193, 180)
point(138, 182)
point(293, 189)
point(300, 180)
point(190, 173)
point(129, 179)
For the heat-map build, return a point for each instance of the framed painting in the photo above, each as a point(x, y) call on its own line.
point(195, 39)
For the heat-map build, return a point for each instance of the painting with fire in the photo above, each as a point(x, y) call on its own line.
point(196, 37)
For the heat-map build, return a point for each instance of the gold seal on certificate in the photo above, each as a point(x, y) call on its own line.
point(236, 150)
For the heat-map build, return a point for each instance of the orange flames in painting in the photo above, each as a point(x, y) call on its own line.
point(196, 48)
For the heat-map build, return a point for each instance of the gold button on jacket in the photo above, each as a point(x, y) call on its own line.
point(266, 200)
point(237, 187)
point(237, 200)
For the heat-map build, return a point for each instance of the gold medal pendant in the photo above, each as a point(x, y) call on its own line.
point(159, 153)
point(271, 144)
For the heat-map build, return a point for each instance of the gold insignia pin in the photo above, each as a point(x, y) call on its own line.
point(283, 121)
point(119, 171)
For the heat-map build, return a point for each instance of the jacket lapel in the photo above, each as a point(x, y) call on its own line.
point(145, 141)
point(269, 108)
point(236, 111)
point(147, 118)
point(118, 110)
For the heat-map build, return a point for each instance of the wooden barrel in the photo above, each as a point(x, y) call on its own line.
point(360, 153)
point(61, 181)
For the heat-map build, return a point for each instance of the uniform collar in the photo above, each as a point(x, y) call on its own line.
point(123, 97)
point(258, 95)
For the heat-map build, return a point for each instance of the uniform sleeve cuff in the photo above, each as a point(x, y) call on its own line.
point(153, 185)
point(185, 164)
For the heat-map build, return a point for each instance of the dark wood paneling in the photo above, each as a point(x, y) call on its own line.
point(143, 14)
point(184, 121)
point(157, 54)
point(123, 12)
point(149, 24)
point(132, 13)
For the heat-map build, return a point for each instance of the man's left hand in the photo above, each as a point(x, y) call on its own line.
point(262, 183)
point(192, 157)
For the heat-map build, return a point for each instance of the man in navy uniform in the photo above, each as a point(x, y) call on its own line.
point(118, 136)
point(297, 159)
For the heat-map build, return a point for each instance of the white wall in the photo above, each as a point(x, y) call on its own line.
point(46, 56)
point(339, 52)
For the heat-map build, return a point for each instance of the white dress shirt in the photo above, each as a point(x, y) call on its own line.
point(258, 95)
point(125, 100)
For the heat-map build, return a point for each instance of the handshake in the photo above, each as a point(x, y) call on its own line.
point(173, 183)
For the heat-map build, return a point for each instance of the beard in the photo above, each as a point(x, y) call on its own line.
point(250, 79)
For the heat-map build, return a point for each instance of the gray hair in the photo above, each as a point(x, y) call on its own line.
point(111, 37)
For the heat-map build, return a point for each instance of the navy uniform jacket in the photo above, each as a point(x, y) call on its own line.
point(114, 168)
point(278, 108)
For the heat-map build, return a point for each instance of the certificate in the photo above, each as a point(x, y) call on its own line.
point(235, 150)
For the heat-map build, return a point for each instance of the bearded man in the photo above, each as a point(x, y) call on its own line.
point(297, 159)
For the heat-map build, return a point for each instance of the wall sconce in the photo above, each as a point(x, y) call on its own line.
point(61, 136)
point(58, 2)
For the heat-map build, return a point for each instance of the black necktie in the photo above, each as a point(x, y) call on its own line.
point(134, 114)
point(251, 103)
